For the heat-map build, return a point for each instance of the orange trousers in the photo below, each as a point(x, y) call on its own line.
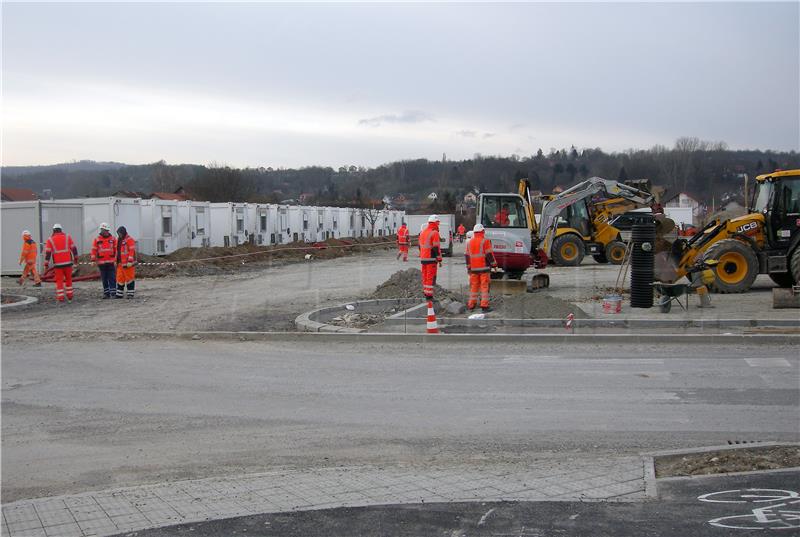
point(402, 250)
point(478, 281)
point(126, 277)
point(428, 278)
point(63, 275)
point(30, 271)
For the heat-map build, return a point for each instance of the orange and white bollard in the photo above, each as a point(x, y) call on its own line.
point(433, 327)
point(570, 320)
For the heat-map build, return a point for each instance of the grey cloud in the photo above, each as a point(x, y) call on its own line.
point(409, 116)
point(466, 134)
point(488, 135)
point(516, 126)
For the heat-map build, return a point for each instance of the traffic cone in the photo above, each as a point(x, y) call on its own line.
point(433, 327)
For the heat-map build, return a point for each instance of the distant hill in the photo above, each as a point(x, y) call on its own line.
point(79, 166)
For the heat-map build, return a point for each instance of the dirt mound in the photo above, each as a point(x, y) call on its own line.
point(214, 260)
point(533, 306)
point(408, 284)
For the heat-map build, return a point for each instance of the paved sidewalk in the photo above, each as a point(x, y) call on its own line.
point(149, 506)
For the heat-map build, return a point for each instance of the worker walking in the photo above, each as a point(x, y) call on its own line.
point(104, 254)
point(461, 231)
point(60, 248)
point(430, 255)
point(402, 242)
point(27, 258)
point(480, 261)
point(126, 260)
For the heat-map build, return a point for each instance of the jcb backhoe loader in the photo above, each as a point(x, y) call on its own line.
point(765, 241)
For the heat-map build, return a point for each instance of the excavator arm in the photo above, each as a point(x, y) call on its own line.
point(586, 189)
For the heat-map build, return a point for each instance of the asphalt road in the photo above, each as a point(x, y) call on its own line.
point(88, 415)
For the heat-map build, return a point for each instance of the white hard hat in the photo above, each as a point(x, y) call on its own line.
point(470, 234)
point(26, 233)
point(105, 227)
point(478, 228)
point(433, 218)
point(57, 226)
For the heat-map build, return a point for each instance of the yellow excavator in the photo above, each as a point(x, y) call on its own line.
point(519, 240)
point(765, 241)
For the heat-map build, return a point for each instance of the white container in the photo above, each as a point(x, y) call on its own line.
point(165, 226)
point(16, 217)
point(200, 223)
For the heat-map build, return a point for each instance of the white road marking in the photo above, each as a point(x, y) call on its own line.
point(767, 362)
point(485, 516)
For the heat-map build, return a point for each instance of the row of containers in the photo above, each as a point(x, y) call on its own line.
point(162, 226)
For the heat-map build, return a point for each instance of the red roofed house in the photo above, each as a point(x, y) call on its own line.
point(18, 194)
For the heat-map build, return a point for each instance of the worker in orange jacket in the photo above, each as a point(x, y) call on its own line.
point(60, 248)
point(461, 231)
point(430, 255)
point(27, 257)
point(126, 261)
point(402, 242)
point(104, 254)
point(480, 261)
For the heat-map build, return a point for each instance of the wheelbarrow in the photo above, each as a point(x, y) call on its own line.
point(671, 292)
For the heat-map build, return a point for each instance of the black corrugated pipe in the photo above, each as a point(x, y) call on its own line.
point(642, 265)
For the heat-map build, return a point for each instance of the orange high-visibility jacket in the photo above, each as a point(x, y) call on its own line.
point(28, 254)
point(126, 251)
point(429, 245)
point(479, 254)
point(62, 249)
point(104, 250)
point(402, 236)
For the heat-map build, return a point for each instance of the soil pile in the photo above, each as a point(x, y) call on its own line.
point(725, 461)
point(533, 306)
point(223, 260)
point(408, 284)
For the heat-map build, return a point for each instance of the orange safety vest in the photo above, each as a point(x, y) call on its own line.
point(479, 254)
point(60, 245)
point(28, 254)
point(402, 236)
point(126, 250)
point(429, 246)
point(104, 250)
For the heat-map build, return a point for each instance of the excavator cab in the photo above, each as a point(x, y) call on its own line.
point(505, 218)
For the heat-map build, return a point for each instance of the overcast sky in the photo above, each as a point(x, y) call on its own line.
point(333, 84)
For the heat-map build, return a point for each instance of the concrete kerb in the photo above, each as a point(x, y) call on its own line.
point(26, 301)
point(313, 321)
point(318, 320)
point(424, 339)
point(651, 481)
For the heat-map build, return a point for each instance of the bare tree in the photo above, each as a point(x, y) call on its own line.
point(371, 215)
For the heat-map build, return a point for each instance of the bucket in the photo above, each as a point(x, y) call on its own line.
point(612, 304)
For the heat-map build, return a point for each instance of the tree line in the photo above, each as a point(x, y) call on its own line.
point(700, 168)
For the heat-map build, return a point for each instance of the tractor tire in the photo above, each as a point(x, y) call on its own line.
point(568, 250)
point(782, 279)
point(737, 268)
point(600, 258)
point(794, 265)
point(615, 252)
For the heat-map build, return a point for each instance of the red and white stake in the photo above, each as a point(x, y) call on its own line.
point(570, 320)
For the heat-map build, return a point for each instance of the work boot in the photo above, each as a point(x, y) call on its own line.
point(19, 282)
point(37, 284)
point(487, 309)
